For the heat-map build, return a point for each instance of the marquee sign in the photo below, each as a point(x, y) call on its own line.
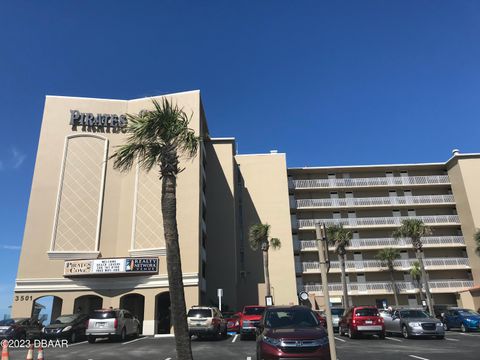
point(78, 118)
point(113, 266)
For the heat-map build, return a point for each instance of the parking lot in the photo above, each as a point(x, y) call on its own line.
point(455, 345)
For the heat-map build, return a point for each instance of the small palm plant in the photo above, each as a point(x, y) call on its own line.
point(415, 229)
point(156, 139)
point(416, 274)
point(476, 237)
point(259, 238)
point(339, 238)
point(387, 257)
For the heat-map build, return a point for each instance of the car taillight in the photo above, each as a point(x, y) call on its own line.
point(115, 323)
point(354, 321)
point(380, 320)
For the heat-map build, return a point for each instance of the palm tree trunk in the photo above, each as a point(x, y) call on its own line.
point(394, 286)
point(345, 302)
point(174, 268)
point(267, 274)
point(419, 255)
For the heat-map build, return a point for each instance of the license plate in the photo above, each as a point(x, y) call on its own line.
point(368, 322)
point(100, 324)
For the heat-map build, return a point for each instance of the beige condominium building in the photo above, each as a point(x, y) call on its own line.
point(94, 237)
point(371, 201)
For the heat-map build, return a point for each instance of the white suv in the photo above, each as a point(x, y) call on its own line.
point(206, 321)
point(112, 323)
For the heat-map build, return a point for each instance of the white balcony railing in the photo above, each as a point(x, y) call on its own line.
point(391, 221)
point(369, 182)
point(377, 265)
point(386, 287)
point(379, 243)
point(375, 201)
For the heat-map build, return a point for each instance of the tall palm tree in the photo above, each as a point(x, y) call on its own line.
point(476, 237)
point(416, 274)
point(388, 256)
point(339, 237)
point(258, 238)
point(415, 229)
point(157, 138)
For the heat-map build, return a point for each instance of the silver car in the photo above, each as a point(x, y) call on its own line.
point(337, 313)
point(112, 323)
point(413, 323)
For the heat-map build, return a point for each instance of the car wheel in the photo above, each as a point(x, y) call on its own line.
point(123, 335)
point(405, 332)
point(440, 337)
point(351, 335)
point(137, 333)
point(225, 333)
point(381, 335)
point(242, 337)
point(463, 328)
point(92, 339)
point(73, 337)
point(445, 327)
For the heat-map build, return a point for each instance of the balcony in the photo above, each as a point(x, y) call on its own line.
point(371, 182)
point(379, 222)
point(380, 243)
point(425, 200)
point(376, 265)
point(377, 288)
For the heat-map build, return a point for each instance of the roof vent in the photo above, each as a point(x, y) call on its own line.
point(455, 152)
point(273, 151)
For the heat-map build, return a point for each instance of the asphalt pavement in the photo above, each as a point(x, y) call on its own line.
point(455, 345)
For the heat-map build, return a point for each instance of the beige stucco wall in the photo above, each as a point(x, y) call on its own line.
point(222, 256)
point(265, 199)
point(118, 202)
point(464, 173)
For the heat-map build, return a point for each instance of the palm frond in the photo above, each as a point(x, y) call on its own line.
point(258, 234)
point(387, 256)
point(275, 243)
point(339, 237)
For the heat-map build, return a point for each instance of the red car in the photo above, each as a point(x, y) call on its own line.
point(291, 332)
point(362, 320)
point(233, 321)
point(249, 320)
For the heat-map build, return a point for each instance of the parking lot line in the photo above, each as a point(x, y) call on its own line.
point(342, 340)
point(131, 341)
point(452, 339)
point(393, 339)
point(75, 344)
point(418, 357)
point(235, 338)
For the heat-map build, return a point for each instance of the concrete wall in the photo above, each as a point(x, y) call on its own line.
point(264, 199)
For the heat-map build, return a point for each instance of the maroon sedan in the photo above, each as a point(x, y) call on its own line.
point(291, 332)
point(233, 321)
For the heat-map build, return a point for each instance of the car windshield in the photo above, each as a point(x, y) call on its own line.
point(258, 310)
point(337, 312)
point(65, 319)
point(200, 313)
point(8, 322)
point(468, 313)
point(104, 315)
point(290, 318)
point(413, 314)
point(366, 312)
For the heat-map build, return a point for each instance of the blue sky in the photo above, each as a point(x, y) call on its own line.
point(327, 82)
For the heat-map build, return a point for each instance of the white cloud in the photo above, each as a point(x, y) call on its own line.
point(10, 247)
point(17, 158)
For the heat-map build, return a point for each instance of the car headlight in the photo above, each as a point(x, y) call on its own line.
point(469, 320)
point(237, 323)
point(271, 341)
point(43, 329)
point(439, 324)
point(67, 328)
point(322, 341)
point(414, 324)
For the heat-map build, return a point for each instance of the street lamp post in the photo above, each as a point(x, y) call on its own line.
point(323, 254)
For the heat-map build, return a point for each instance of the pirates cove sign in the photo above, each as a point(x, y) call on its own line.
point(98, 122)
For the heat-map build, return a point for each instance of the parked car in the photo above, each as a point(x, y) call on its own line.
point(249, 320)
point(20, 329)
point(233, 321)
point(337, 313)
point(116, 324)
point(71, 327)
point(206, 321)
point(362, 320)
point(321, 318)
point(291, 332)
point(464, 319)
point(413, 323)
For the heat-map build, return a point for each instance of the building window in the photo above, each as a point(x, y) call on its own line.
point(349, 194)
point(332, 176)
point(392, 193)
point(389, 173)
point(334, 195)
